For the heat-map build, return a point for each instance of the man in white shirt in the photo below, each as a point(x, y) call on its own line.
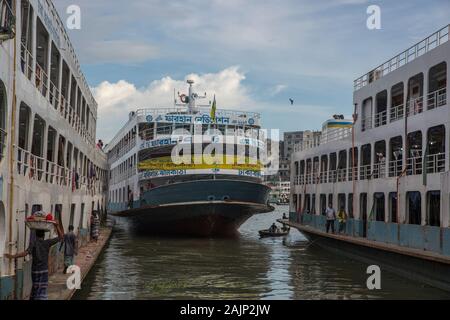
point(331, 217)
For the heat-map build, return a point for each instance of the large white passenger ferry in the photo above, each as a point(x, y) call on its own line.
point(48, 157)
point(211, 192)
point(389, 169)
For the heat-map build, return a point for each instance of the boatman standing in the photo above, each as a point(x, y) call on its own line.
point(39, 250)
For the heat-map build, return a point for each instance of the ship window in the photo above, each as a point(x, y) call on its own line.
point(435, 155)
point(366, 120)
point(379, 208)
point(437, 84)
point(51, 140)
point(414, 157)
point(414, 207)
point(350, 205)
point(434, 208)
point(37, 148)
point(302, 167)
point(69, 155)
point(313, 204)
point(61, 149)
point(24, 126)
point(341, 201)
point(307, 204)
point(415, 90)
point(294, 202)
point(42, 40)
point(164, 129)
point(330, 200)
point(299, 202)
point(82, 216)
point(2, 228)
point(35, 208)
point(3, 108)
point(393, 207)
point(381, 109)
point(58, 212)
point(395, 156)
point(54, 76)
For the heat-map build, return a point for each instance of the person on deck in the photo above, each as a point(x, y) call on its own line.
point(70, 248)
point(342, 219)
point(39, 250)
point(331, 217)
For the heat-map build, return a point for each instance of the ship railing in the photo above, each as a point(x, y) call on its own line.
point(397, 112)
point(379, 170)
point(301, 179)
point(329, 136)
point(7, 21)
point(414, 165)
point(54, 95)
point(381, 119)
point(366, 123)
point(50, 172)
point(365, 172)
point(308, 178)
point(351, 175)
point(395, 168)
point(36, 168)
point(41, 80)
point(183, 110)
point(436, 163)
point(436, 39)
point(342, 175)
point(3, 136)
point(414, 106)
point(22, 160)
point(332, 176)
point(26, 61)
point(437, 99)
point(323, 177)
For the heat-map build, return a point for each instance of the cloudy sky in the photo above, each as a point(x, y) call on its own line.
point(253, 54)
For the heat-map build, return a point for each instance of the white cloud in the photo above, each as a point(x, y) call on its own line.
point(277, 89)
point(116, 100)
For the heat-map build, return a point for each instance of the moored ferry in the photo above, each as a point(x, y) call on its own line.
point(216, 187)
point(388, 167)
point(48, 156)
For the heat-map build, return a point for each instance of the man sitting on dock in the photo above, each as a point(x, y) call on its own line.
point(331, 217)
point(39, 250)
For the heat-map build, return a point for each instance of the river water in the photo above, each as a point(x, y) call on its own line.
point(142, 267)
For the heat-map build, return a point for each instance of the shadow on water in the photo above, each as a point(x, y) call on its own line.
point(135, 266)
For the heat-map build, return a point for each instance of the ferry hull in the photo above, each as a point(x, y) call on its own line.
point(198, 208)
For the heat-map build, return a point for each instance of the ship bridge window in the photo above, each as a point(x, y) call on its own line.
point(42, 47)
point(434, 208)
point(164, 129)
point(366, 151)
point(3, 108)
point(437, 86)
point(353, 168)
point(378, 206)
point(435, 153)
point(37, 148)
point(415, 95)
point(393, 207)
point(379, 169)
point(396, 156)
point(397, 102)
point(323, 204)
point(54, 76)
point(381, 109)
point(414, 207)
point(414, 153)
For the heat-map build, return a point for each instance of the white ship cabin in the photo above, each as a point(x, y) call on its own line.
point(398, 171)
point(149, 133)
point(49, 133)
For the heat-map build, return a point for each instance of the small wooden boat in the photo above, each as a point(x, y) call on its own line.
point(268, 233)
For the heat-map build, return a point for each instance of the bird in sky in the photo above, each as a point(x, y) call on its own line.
point(292, 101)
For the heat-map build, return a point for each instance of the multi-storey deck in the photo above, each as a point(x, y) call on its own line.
point(48, 157)
point(391, 171)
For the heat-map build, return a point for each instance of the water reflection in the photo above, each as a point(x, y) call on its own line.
point(139, 267)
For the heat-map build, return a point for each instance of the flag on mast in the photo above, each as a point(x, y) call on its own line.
point(213, 109)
